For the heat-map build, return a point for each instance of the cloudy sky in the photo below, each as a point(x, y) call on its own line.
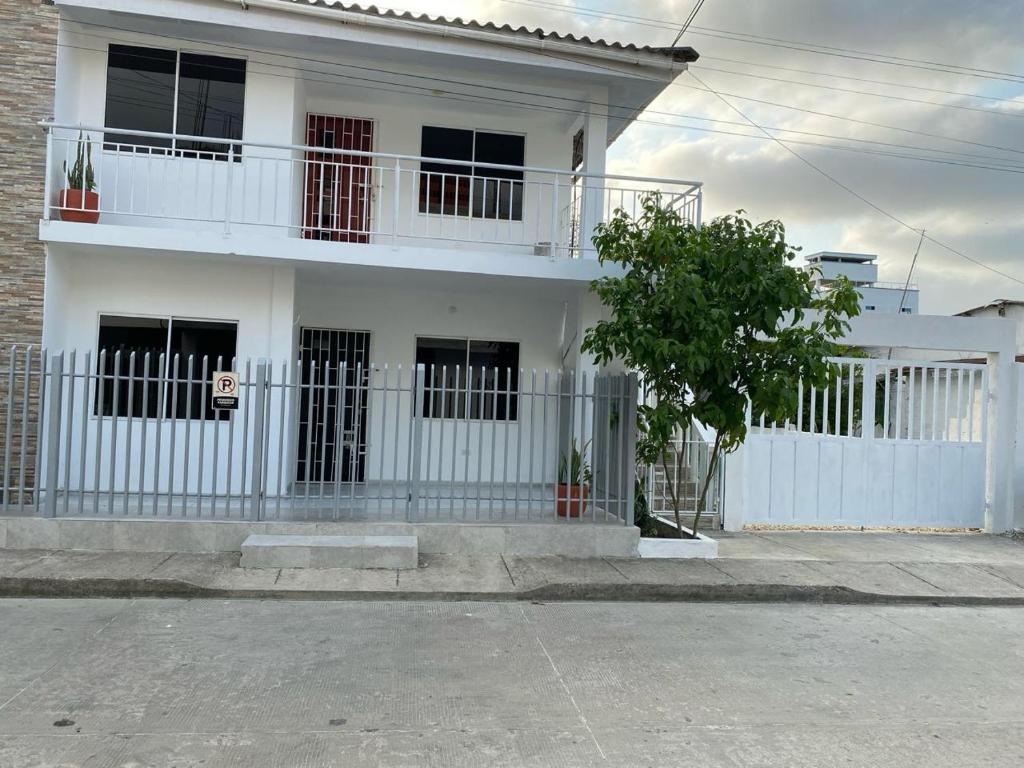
point(978, 211)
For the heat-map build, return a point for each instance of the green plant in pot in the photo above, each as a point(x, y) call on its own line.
point(573, 482)
point(79, 200)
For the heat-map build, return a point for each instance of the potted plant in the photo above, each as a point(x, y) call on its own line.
point(79, 200)
point(573, 483)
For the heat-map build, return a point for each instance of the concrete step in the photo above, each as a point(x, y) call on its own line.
point(302, 551)
point(709, 521)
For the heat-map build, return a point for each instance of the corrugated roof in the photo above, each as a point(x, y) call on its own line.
point(680, 53)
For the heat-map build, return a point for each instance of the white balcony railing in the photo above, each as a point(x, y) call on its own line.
point(179, 181)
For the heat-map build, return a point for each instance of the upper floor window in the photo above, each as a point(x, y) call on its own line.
point(472, 190)
point(164, 91)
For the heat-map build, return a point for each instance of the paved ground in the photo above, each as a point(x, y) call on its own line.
point(829, 567)
point(278, 684)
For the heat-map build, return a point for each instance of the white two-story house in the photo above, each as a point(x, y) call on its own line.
point(332, 192)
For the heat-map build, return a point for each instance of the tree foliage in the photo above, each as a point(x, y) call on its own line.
point(712, 318)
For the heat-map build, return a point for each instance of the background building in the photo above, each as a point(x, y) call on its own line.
point(861, 270)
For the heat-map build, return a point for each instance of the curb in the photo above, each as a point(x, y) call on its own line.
point(15, 587)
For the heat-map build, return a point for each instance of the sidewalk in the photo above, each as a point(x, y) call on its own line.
point(969, 569)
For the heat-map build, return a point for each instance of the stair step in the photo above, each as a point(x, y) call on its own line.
point(300, 551)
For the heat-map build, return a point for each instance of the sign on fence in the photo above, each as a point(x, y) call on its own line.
point(225, 390)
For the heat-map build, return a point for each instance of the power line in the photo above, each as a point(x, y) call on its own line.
point(689, 20)
point(854, 192)
point(478, 98)
point(746, 37)
point(862, 93)
point(766, 134)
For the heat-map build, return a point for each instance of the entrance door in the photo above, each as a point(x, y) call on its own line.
point(338, 187)
point(323, 431)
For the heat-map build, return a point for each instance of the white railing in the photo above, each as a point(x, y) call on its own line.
point(341, 195)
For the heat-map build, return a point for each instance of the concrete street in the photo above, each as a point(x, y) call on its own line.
point(277, 684)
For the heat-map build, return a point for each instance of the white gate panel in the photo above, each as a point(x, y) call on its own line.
point(889, 444)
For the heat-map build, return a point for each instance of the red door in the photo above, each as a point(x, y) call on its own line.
point(338, 194)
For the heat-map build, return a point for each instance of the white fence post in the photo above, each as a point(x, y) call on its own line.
point(258, 429)
point(53, 425)
point(415, 459)
point(632, 395)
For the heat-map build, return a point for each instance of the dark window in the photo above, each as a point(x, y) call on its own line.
point(143, 85)
point(488, 369)
point(463, 190)
point(124, 393)
point(199, 340)
point(120, 392)
point(140, 93)
point(211, 94)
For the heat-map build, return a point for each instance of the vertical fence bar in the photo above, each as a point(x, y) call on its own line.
point(115, 402)
point(84, 436)
point(161, 414)
point(258, 427)
point(214, 474)
point(632, 395)
point(128, 463)
point(69, 428)
point(339, 457)
point(101, 374)
point(38, 463)
point(417, 442)
point(9, 431)
point(53, 422)
point(174, 381)
point(143, 433)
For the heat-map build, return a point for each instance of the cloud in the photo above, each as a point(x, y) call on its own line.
point(976, 211)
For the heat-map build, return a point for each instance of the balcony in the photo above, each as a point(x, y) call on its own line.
point(267, 191)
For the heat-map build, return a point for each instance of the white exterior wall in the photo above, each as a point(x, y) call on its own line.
point(266, 186)
point(396, 316)
point(80, 287)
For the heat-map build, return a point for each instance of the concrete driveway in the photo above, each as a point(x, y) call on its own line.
point(279, 684)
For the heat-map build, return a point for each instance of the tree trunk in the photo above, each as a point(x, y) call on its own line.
point(672, 492)
point(712, 466)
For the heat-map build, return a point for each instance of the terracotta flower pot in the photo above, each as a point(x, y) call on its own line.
point(572, 499)
point(74, 208)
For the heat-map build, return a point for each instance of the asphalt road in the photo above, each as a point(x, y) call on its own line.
point(280, 684)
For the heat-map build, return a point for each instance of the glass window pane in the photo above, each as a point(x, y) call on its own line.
point(140, 94)
point(495, 367)
point(500, 149)
point(444, 388)
point(211, 100)
point(445, 188)
point(126, 335)
point(199, 339)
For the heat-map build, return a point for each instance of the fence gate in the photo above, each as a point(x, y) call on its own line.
point(888, 443)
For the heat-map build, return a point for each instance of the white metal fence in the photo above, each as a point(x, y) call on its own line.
point(887, 443)
point(343, 195)
point(681, 474)
point(136, 435)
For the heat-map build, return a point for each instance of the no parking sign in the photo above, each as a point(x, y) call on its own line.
point(225, 390)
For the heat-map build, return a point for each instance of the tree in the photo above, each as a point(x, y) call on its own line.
point(711, 318)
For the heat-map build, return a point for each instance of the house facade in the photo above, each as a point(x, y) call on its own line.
point(380, 222)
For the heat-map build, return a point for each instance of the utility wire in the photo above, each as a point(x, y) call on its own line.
point(906, 285)
point(781, 143)
point(1001, 162)
point(854, 192)
point(689, 20)
point(746, 37)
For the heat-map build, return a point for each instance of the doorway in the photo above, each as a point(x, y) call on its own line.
point(332, 428)
point(338, 195)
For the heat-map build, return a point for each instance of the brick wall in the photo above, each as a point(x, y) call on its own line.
point(28, 50)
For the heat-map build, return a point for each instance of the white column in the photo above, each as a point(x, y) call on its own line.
point(1000, 442)
point(595, 146)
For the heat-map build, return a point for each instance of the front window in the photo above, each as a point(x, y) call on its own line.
point(481, 374)
point(472, 190)
point(139, 391)
point(164, 91)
